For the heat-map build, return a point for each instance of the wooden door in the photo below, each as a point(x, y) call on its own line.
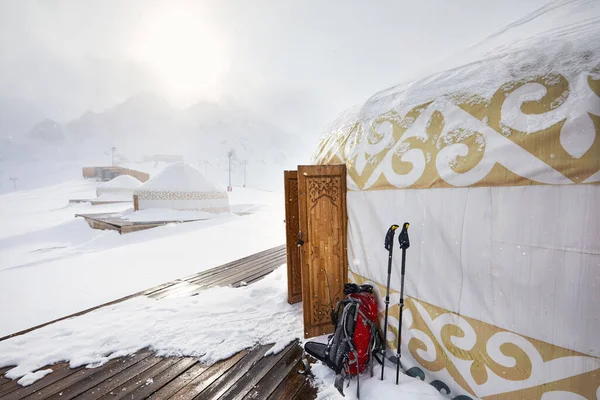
point(292, 227)
point(323, 224)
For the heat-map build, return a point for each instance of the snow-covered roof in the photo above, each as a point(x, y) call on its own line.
point(519, 111)
point(121, 182)
point(559, 38)
point(180, 177)
point(182, 187)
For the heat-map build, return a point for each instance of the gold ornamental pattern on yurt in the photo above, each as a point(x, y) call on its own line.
point(170, 195)
point(542, 130)
point(471, 359)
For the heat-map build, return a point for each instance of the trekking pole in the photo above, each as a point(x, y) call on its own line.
point(404, 244)
point(389, 246)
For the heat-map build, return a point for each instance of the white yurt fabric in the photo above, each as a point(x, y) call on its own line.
point(122, 186)
point(180, 186)
point(496, 165)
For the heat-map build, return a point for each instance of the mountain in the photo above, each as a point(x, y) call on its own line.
point(18, 116)
point(48, 130)
point(147, 124)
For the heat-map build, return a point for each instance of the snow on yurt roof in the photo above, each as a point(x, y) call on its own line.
point(180, 177)
point(559, 38)
point(121, 182)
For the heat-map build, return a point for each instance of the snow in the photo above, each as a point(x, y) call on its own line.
point(53, 265)
point(118, 189)
point(31, 377)
point(558, 39)
point(162, 214)
point(212, 325)
point(121, 182)
point(180, 177)
point(372, 388)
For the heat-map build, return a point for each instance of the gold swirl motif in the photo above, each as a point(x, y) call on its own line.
point(481, 359)
point(584, 384)
point(359, 146)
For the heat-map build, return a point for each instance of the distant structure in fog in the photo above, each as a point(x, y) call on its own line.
point(180, 186)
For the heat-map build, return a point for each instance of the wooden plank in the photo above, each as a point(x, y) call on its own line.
point(236, 267)
point(4, 380)
point(179, 382)
point(292, 227)
point(323, 223)
point(290, 363)
point(236, 263)
point(289, 386)
point(160, 380)
point(242, 386)
point(246, 269)
point(244, 273)
point(101, 225)
point(8, 385)
point(256, 275)
point(247, 275)
point(105, 372)
point(117, 380)
point(306, 392)
point(58, 386)
point(200, 383)
point(60, 371)
point(145, 378)
point(217, 280)
point(179, 290)
point(159, 294)
point(223, 383)
point(123, 229)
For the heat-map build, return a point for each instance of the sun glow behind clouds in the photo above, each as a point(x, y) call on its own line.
point(184, 51)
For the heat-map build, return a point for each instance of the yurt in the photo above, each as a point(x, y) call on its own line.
point(180, 186)
point(495, 164)
point(121, 187)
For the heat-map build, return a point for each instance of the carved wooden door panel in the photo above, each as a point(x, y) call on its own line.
point(292, 227)
point(323, 224)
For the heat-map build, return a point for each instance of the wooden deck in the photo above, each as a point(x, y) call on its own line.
point(96, 202)
point(111, 221)
point(246, 375)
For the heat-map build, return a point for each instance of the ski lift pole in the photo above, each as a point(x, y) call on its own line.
point(404, 244)
point(389, 246)
point(230, 155)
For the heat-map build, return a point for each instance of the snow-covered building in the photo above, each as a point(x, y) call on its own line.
point(180, 186)
point(122, 186)
point(496, 165)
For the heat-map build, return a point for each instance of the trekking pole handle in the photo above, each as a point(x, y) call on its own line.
point(389, 244)
point(403, 239)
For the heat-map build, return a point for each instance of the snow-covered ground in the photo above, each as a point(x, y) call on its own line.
point(213, 325)
point(372, 388)
point(52, 264)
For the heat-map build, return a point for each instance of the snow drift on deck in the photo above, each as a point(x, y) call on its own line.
point(213, 325)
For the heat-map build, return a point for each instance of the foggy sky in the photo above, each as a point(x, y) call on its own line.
point(297, 63)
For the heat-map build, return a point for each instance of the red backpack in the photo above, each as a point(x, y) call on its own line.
point(355, 342)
